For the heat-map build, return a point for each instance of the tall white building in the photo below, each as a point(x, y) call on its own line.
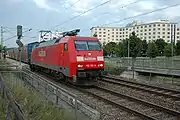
point(148, 31)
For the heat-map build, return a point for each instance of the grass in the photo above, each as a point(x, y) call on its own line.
point(33, 104)
point(112, 69)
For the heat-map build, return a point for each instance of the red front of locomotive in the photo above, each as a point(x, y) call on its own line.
point(87, 60)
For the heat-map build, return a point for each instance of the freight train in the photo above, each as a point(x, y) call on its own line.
point(75, 59)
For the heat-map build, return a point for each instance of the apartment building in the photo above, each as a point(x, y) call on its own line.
point(145, 31)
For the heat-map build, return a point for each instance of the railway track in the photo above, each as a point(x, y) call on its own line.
point(140, 109)
point(165, 97)
point(174, 94)
point(143, 109)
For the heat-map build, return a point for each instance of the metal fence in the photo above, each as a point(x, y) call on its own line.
point(158, 71)
point(57, 95)
point(146, 62)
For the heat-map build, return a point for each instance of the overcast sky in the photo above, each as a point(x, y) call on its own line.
point(46, 14)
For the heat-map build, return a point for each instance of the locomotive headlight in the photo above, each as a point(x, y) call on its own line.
point(80, 58)
point(100, 65)
point(100, 58)
point(80, 66)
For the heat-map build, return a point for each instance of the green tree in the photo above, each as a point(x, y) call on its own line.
point(160, 43)
point(125, 47)
point(168, 50)
point(110, 48)
point(178, 48)
point(119, 50)
point(152, 50)
point(144, 48)
point(135, 45)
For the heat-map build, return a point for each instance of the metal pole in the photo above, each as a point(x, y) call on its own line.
point(1, 35)
point(128, 51)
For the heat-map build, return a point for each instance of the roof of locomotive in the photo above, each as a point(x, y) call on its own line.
point(64, 39)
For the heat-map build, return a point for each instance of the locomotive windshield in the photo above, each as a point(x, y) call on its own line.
point(87, 45)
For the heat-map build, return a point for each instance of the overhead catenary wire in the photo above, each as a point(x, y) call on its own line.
point(95, 7)
point(142, 14)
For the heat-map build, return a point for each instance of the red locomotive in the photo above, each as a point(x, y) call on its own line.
point(76, 59)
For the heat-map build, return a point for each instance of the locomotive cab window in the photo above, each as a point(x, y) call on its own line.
point(65, 47)
point(87, 45)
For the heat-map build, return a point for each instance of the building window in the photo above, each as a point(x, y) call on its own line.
point(154, 28)
point(141, 30)
point(177, 33)
point(129, 29)
point(149, 37)
point(145, 26)
point(158, 36)
point(177, 36)
point(99, 35)
point(137, 34)
point(158, 32)
point(145, 30)
point(120, 33)
point(163, 36)
point(120, 29)
point(159, 28)
point(149, 29)
point(158, 25)
point(154, 25)
point(168, 29)
point(99, 28)
point(119, 36)
point(141, 38)
point(163, 32)
point(123, 35)
point(137, 27)
point(112, 35)
point(168, 32)
point(116, 36)
point(104, 32)
point(168, 37)
point(123, 32)
point(116, 32)
point(163, 28)
point(141, 34)
point(154, 33)
point(116, 29)
point(145, 38)
point(126, 28)
point(137, 31)
point(154, 36)
point(178, 29)
point(141, 26)
point(123, 29)
point(163, 25)
point(126, 35)
point(149, 33)
point(112, 32)
point(99, 32)
point(149, 25)
point(108, 37)
point(104, 35)
point(112, 29)
point(126, 32)
point(104, 29)
point(144, 33)
point(108, 30)
point(168, 25)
